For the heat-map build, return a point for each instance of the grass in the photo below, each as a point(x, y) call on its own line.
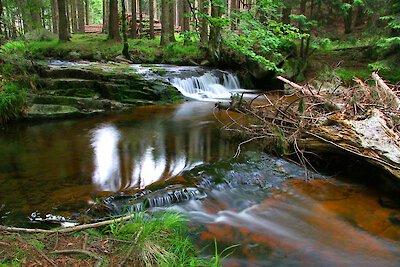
point(162, 239)
point(96, 47)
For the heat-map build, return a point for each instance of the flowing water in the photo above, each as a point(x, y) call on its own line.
point(175, 157)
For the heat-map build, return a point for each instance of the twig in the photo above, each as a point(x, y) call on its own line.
point(309, 92)
point(80, 251)
point(238, 150)
point(69, 229)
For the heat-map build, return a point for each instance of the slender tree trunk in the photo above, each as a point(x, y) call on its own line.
point(359, 16)
point(203, 7)
point(62, 22)
point(35, 9)
point(73, 16)
point(67, 5)
point(186, 20)
point(164, 23)
point(1, 22)
point(215, 30)
point(180, 12)
point(105, 16)
point(232, 11)
point(54, 17)
point(303, 7)
point(125, 50)
point(87, 8)
point(113, 22)
point(348, 19)
point(171, 24)
point(151, 18)
point(81, 16)
point(140, 18)
point(133, 20)
point(286, 11)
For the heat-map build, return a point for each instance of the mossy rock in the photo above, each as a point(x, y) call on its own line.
point(51, 111)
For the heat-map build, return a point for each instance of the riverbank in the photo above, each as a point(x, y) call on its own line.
point(157, 240)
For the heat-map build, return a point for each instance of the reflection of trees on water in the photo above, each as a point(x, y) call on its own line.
point(135, 156)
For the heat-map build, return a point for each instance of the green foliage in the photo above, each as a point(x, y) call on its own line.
point(12, 101)
point(262, 37)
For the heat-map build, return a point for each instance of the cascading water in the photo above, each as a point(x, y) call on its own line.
point(208, 87)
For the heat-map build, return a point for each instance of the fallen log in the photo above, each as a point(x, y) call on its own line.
point(369, 139)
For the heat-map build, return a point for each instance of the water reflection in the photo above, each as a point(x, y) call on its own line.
point(106, 159)
point(134, 155)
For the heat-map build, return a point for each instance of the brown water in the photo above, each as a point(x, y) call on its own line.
point(63, 166)
point(266, 207)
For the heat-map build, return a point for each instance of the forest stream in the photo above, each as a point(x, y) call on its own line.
point(176, 157)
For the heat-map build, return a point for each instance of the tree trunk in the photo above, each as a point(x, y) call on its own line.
point(54, 17)
point(303, 7)
point(164, 23)
point(35, 13)
point(125, 50)
point(186, 20)
point(359, 16)
point(171, 24)
point(81, 16)
point(113, 22)
point(67, 5)
point(348, 21)
point(73, 17)
point(133, 33)
point(151, 18)
point(215, 30)
point(1, 22)
point(180, 12)
point(140, 18)
point(87, 6)
point(62, 22)
point(203, 7)
point(286, 15)
point(233, 10)
point(105, 16)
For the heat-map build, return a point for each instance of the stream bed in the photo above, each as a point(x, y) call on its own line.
point(176, 157)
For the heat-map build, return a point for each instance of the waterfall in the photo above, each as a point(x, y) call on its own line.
point(207, 87)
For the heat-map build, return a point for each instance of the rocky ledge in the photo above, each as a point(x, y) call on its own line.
point(75, 89)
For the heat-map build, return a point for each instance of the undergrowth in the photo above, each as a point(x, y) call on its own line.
point(159, 239)
point(96, 47)
point(12, 101)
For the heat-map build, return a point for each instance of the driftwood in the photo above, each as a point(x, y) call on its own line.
point(393, 98)
point(68, 229)
point(312, 93)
